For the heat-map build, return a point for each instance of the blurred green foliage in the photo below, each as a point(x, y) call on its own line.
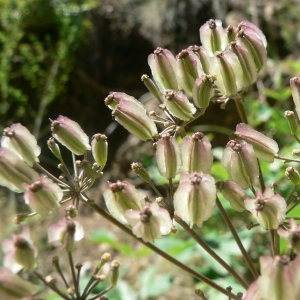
point(37, 43)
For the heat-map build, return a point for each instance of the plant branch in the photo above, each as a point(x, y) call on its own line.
point(51, 286)
point(165, 255)
point(76, 285)
point(211, 252)
point(237, 239)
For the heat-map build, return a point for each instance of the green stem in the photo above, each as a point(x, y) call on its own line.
point(240, 108)
point(212, 253)
point(286, 159)
point(50, 175)
point(237, 239)
point(165, 255)
point(76, 285)
point(103, 292)
point(271, 232)
point(292, 207)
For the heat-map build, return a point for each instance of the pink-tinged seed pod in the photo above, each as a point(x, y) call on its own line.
point(18, 139)
point(131, 114)
point(99, 149)
point(253, 292)
point(295, 88)
point(195, 198)
point(196, 154)
point(189, 69)
point(163, 67)
point(114, 98)
point(150, 223)
point(70, 134)
point(247, 63)
point(231, 32)
point(229, 73)
point(268, 209)
point(65, 232)
point(19, 252)
point(253, 43)
point(264, 147)
point(121, 196)
point(204, 57)
point(179, 105)
point(43, 196)
point(280, 278)
point(168, 156)
point(13, 287)
point(203, 91)
point(250, 26)
point(14, 172)
point(292, 235)
point(213, 36)
point(240, 162)
point(233, 193)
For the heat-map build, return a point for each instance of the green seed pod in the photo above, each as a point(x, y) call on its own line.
point(203, 91)
point(196, 154)
point(292, 175)
point(179, 105)
point(213, 36)
point(292, 121)
point(99, 149)
point(295, 87)
point(70, 134)
point(163, 66)
point(189, 69)
point(19, 140)
point(168, 156)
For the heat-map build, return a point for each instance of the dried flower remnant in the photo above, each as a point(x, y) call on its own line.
point(19, 140)
point(70, 134)
point(196, 154)
point(121, 196)
point(240, 162)
point(268, 209)
point(43, 196)
point(14, 172)
point(195, 198)
point(150, 223)
point(19, 252)
point(65, 232)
